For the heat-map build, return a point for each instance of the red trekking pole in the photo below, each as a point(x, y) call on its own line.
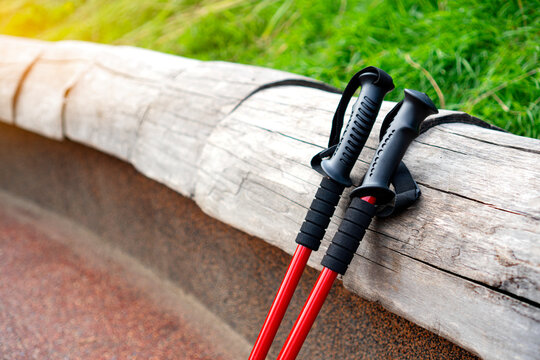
point(403, 125)
point(336, 170)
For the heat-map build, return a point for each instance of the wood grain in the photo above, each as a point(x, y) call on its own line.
point(464, 261)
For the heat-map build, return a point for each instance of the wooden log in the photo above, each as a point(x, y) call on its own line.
point(16, 58)
point(463, 262)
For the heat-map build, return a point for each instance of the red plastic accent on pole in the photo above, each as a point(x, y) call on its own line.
point(280, 304)
point(370, 199)
point(311, 309)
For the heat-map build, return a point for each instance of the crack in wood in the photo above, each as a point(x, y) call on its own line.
point(225, 125)
point(302, 107)
point(20, 84)
point(287, 136)
point(489, 142)
point(441, 147)
point(515, 212)
point(144, 117)
point(376, 263)
point(476, 282)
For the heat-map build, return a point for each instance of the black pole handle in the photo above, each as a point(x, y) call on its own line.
point(375, 85)
point(401, 131)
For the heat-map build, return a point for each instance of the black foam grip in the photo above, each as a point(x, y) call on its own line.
point(351, 228)
point(347, 239)
point(329, 184)
point(327, 195)
point(343, 254)
point(318, 216)
point(312, 229)
point(308, 241)
point(357, 217)
point(322, 207)
point(315, 217)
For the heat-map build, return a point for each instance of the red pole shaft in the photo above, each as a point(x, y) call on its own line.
point(280, 304)
point(311, 309)
point(307, 317)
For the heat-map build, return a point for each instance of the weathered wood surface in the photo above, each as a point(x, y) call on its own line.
point(16, 59)
point(464, 262)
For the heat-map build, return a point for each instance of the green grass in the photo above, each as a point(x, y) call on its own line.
point(476, 56)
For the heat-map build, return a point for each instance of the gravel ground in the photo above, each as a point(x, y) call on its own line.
point(60, 302)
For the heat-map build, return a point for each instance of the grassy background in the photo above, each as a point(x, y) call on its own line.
point(471, 55)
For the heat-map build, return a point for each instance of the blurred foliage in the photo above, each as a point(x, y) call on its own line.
point(476, 56)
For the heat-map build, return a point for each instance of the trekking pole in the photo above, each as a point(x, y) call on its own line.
point(375, 190)
point(375, 84)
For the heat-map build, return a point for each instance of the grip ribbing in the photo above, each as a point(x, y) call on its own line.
point(318, 216)
point(357, 131)
point(403, 127)
point(347, 239)
point(364, 112)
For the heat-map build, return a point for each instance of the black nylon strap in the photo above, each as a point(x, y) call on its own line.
point(407, 192)
point(457, 118)
point(406, 189)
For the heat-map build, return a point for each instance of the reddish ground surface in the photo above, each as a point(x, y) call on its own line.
point(56, 304)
